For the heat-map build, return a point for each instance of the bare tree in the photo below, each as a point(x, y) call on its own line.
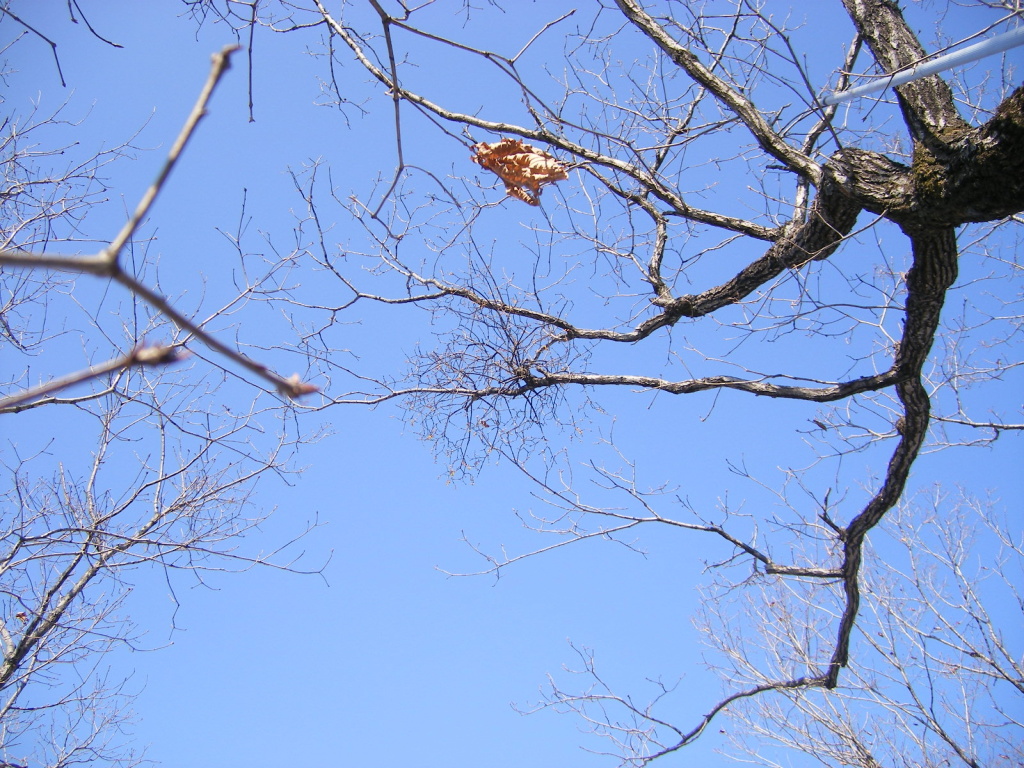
point(937, 677)
point(635, 200)
point(168, 476)
point(662, 204)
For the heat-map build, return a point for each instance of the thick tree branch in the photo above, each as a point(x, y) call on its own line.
point(767, 138)
point(979, 177)
point(927, 103)
point(825, 394)
point(933, 272)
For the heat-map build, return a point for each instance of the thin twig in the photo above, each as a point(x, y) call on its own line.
point(95, 34)
point(33, 30)
point(540, 32)
point(396, 96)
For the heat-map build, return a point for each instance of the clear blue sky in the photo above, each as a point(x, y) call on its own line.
point(384, 661)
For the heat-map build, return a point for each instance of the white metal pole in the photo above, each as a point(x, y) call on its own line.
point(996, 44)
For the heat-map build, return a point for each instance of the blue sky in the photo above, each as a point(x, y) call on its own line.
point(384, 660)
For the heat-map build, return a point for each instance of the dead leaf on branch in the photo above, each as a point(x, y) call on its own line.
point(523, 168)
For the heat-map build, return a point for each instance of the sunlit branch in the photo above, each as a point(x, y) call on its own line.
point(841, 391)
point(679, 209)
point(99, 265)
point(832, 219)
point(995, 426)
point(221, 62)
point(770, 141)
point(586, 155)
point(142, 355)
point(107, 262)
point(498, 565)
